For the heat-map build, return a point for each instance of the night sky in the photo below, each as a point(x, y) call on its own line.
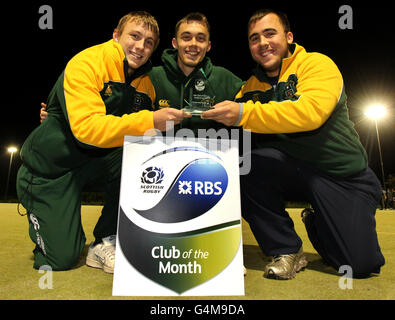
point(35, 58)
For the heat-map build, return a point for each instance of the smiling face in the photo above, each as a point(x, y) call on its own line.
point(138, 42)
point(192, 42)
point(269, 43)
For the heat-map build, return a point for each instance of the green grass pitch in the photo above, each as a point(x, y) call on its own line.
point(19, 281)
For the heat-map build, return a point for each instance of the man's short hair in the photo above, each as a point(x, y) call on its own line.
point(140, 17)
point(193, 16)
point(263, 12)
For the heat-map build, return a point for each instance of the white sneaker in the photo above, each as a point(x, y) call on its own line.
point(102, 255)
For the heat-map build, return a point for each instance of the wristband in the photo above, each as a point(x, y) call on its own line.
point(240, 115)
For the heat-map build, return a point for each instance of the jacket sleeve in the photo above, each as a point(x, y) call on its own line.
point(319, 89)
point(86, 111)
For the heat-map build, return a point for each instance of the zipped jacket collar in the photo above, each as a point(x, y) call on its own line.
point(295, 49)
point(144, 69)
point(169, 59)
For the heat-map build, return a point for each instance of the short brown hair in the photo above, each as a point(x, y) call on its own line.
point(263, 12)
point(193, 16)
point(140, 17)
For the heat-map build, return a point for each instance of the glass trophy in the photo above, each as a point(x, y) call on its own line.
point(199, 104)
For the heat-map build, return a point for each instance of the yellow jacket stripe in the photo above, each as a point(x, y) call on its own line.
point(84, 79)
point(319, 89)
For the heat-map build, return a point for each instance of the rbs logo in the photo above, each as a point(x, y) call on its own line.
point(196, 187)
point(200, 187)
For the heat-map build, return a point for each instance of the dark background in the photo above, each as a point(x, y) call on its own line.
point(34, 58)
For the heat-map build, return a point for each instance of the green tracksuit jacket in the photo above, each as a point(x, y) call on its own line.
point(92, 106)
point(304, 114)
point(206, 84)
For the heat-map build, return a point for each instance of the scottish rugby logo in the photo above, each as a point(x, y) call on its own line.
point(152, 175)
point(151, 179)
point(196, 184)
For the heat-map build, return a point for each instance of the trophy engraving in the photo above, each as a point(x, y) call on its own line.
point(199, 104)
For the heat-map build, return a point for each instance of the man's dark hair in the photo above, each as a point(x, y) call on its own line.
point(263, 12)
point(194, 16)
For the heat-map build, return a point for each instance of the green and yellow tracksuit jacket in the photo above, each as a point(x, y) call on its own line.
point(304, 115)
point(92, 106)
point(206, 84)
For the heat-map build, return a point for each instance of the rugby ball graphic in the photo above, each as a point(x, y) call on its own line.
point(185, 186)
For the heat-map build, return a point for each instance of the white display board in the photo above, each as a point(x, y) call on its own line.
point(179, 225)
